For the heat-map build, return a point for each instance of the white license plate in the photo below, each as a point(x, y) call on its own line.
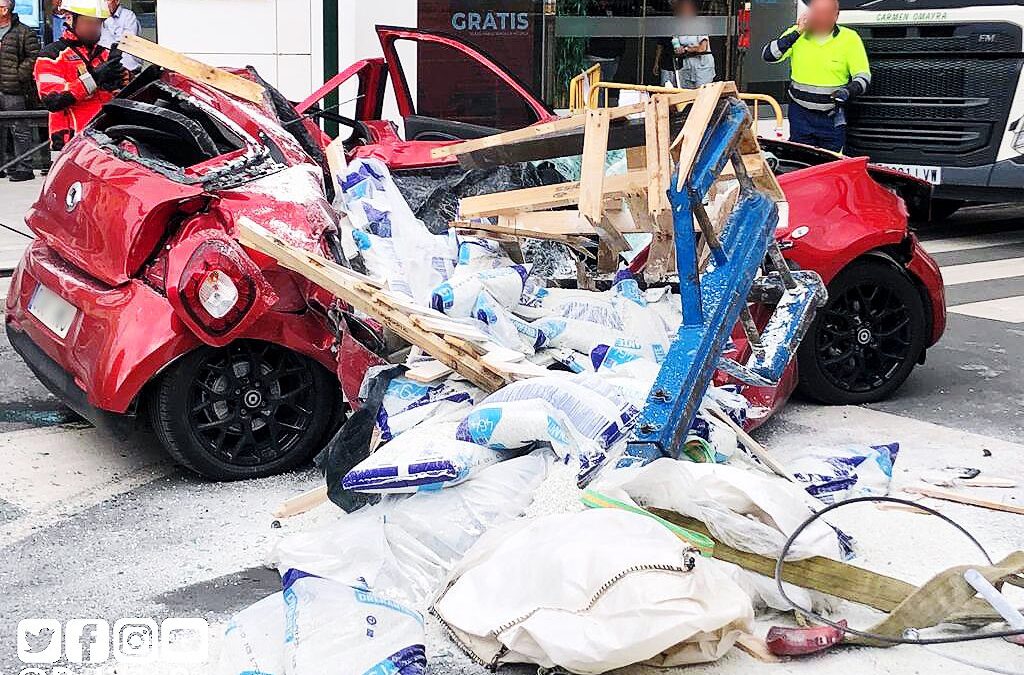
point(932, 174)
point(53, 311)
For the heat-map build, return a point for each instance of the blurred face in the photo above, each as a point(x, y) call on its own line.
point(686, 8)
point(822, 16)
point(112, 5)
point(5, 12)
point(88, 29)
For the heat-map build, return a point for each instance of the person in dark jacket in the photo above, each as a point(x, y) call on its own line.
point(19, 48)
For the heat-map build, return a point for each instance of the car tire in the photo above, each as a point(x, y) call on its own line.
point(248, 410)
point(863, 345)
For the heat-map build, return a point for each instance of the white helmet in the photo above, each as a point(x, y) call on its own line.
point(97, 9)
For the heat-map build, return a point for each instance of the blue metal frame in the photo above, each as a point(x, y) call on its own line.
point(712, 303)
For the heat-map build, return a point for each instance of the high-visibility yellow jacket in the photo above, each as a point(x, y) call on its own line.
point(821, 67)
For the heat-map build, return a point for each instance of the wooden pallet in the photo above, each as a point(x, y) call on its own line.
point(609, 206)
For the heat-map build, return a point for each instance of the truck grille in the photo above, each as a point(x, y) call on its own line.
point(939, 94)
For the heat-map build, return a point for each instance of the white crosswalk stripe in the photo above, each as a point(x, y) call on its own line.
point(937, 246)
point(999, 262)
point(983, 271)
point(1009, 310)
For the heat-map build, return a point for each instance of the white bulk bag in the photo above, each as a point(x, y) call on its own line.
point(590, 592)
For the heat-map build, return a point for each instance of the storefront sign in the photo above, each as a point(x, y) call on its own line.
point(491, 22)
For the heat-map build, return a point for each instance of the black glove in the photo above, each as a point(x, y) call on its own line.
point(112, 74)
point(841, 96)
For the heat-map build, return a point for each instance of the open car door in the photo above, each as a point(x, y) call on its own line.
point(476, 97)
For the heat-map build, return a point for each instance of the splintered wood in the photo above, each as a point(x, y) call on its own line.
point(610, 206)
point(459, 346)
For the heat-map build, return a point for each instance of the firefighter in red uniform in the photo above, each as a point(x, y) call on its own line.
point(75, 75)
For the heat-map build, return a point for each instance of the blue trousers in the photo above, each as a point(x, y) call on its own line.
point(812, 127)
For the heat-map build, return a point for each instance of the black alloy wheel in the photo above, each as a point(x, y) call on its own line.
point(248, 410)
point(866, 341)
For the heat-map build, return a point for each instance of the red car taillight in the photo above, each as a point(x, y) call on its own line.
point(214, 290)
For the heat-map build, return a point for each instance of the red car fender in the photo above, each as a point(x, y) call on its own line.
point(217, 242)
point(837, 213)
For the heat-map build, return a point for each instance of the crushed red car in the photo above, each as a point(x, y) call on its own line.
point(137, 300)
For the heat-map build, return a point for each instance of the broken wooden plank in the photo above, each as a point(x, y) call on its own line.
point(189, 67)
point(300, 504)
point(513, 202)
point(753, 446)
point(663, 125)
point(754, 164)
point(547, 128)
point(962, 498)
point(457, 354)
point(427, 372)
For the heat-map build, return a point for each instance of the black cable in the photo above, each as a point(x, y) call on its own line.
point(24, 234)
point(871, 636)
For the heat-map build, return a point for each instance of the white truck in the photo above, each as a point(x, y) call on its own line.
point(946, 102)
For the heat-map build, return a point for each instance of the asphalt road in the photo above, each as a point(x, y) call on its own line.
point(91, 527)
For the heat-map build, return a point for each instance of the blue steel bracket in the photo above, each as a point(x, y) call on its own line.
point(787, 326)
point(712, 303)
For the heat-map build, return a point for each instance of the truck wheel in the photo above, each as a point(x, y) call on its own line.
point(866, 341)
point(248, 410)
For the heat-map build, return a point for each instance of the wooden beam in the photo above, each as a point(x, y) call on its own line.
point(697, 122)
point(390, 311)
point(592, 167)
point(547, 196)
point(655, 201)
point(189, 67)
point(661, 111)
point(966, 499)
point(547, 128)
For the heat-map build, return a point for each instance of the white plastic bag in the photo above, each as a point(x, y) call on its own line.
point(405, 546)
point(427, 457)
point(254, 640)
point(590, 592)
point(596, 410)
point(518, 424)
point(408, 403)
point(396, 246)
point(836, 474)
point(746, 510)
point(334, 628)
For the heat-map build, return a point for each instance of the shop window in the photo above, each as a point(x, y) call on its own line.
point(453, 86)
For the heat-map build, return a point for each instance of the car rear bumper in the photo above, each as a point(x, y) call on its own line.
point(119, 340)
point(62, 385)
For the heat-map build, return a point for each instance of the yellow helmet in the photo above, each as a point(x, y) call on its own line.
point(97, 9)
